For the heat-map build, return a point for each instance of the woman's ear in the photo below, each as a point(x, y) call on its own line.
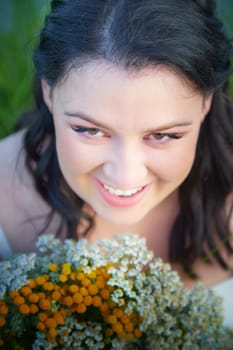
point(207, 102)
point(47, 94)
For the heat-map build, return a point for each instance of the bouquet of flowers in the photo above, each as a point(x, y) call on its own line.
point(109, 295)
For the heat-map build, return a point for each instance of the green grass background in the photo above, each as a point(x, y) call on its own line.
point(20, 21)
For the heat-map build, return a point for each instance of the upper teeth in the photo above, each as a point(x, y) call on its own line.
point(119, 192)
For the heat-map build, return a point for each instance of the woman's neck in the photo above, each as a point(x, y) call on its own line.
point(155, 227)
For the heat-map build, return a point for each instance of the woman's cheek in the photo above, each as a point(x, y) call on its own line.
point(175, 163)
point(75, 157)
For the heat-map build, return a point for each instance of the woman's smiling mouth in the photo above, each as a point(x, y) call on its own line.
point(124, 193)
point(121, 198)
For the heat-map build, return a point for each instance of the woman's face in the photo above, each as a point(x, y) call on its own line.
point(125, 141)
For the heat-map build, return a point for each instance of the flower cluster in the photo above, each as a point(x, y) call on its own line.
point(110, 295)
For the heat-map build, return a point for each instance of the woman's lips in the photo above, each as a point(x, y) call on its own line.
point(121, 201)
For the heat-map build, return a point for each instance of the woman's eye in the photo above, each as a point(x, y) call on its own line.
point(162, 137)
point(88, 132)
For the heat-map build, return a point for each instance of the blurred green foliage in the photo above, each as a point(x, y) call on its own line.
point(20, 21)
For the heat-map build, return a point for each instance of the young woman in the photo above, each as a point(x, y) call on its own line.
point(132, 132)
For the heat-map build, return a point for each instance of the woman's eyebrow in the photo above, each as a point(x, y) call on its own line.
point(85, 117)
point(168, 126)
point(92, 120)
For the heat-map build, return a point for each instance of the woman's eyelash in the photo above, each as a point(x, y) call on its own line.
point(160, 136)
point(172, 136)
point(85, 129)
point(90, 132)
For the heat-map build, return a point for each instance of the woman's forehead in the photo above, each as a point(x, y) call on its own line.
point(103, 74)
point(112, 96)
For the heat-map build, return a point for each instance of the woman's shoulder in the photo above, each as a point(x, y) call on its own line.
point(12, 160)
point(22, 209)
point(15, 187)
point(10, 145)
point(11, 156)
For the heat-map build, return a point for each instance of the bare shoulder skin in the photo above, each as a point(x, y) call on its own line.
point(22, 210)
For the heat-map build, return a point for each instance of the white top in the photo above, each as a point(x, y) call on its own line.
point(224, 289)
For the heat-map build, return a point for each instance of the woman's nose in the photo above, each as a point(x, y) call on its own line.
point(125, 166)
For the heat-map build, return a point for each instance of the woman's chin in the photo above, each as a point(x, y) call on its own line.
point(121, 220)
